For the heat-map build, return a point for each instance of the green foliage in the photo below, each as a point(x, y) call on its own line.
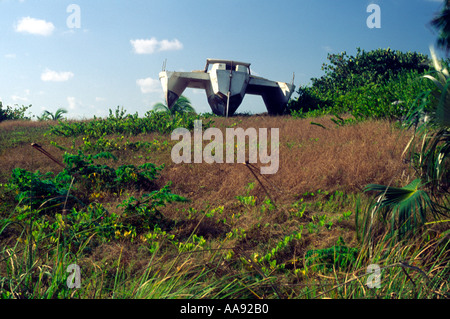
point(63, 208)
point(441, 23)
point(16, 113)
point(407, 208)
point(120, 123)
point(248, 200)
point(404, 208)
point(344, 72)
point(269, 260)
point(311, 110)
point(182, 105)
point(198, 242)
point(432, 159)
point(96, 177)
point(390, 100)
point(145, 208)
point(307, 102)
point(339, 121)
point(336, 257)
point(365, 85)
point(108, 144)
point(47, 115)
point(319, 222)
point(43, 190)
point(36, 189)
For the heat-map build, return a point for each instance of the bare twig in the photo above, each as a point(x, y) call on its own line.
point(252, 168)
point(40, 149)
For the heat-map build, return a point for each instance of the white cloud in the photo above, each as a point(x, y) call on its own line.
point(17, 98)
point(77, 109)
point(148, 85)
point(21, 98)
point(166, 45)
point(53, 76)
point(143, 46)
point(35, 26)
point(72, 102)
point(10, 56)
point(149, 46)
point(327, 48)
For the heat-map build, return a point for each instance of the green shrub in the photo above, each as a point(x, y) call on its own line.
point(338, 256)
point(345, 72)
point(47, 191)
point(119, 122)
point(365, 85)
point(10, 113)
point(36, 189)
point(390, 100)
point(63, 206)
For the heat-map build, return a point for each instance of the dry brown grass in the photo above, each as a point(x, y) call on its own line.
point(7, 126)
point(16, 151)
point(311, 158)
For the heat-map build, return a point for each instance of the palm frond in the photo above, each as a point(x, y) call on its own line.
point(432, 157)
point(182, 105)
point(160, 107)
point(405, 208)
point(442, 23)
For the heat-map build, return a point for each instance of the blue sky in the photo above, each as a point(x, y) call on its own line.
point(98, 55)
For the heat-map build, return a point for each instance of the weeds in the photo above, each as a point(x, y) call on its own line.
point(120, 123)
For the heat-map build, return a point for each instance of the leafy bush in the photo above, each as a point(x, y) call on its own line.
point(145, 208)
point(36, 189)
point(104, 144)
point(390, 100)
point(432, 159)
point(96, 177)
point(407, 208)
point(365, 85)
point(10, 113)
point(344, 72)
point(64, 204)
point(119, 122)
point(340, 257)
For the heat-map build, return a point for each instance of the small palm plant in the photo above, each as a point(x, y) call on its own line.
point(182, 105)
point(47, 115)
point(406, 208)
point(432, 158)
point(441, 24)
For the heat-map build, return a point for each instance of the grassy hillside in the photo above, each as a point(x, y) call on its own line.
point(140, 226)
